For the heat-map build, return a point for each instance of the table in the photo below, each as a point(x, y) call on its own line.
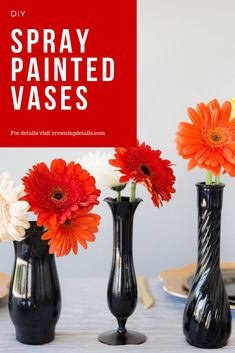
point(85, 314)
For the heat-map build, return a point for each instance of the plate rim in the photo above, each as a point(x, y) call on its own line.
point(175, 293)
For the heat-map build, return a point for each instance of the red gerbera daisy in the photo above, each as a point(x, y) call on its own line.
point(59, 193)
point(144, 165)
point(65, 237)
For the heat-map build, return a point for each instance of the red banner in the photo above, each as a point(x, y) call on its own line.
point(68, 73)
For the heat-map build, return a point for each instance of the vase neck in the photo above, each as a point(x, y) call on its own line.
point(209, 224)
point(123, 236)
point(209, 240)
point(123, 214)
point(32, 245)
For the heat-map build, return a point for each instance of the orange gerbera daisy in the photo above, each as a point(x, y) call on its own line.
point(65, 237)
point(144, 165)
point(59, 193)
point(209, 141)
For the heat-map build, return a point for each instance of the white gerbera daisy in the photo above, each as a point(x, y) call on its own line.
point(97, 164)
point(13, 220)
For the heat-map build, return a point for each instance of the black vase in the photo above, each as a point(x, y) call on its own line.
point(207, 316)
point(122, 286)
point(34, 295)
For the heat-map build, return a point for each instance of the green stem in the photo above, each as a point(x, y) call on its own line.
point(209, 177)
point(119, 197)
point(217, 179)
point(133, 189)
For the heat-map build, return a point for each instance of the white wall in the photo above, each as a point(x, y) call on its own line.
point(186, 54)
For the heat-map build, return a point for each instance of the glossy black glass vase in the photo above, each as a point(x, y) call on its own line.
point(34, 295)
point(122, 286)
point(207, 316)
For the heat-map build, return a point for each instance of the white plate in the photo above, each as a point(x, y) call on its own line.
point(174, 279)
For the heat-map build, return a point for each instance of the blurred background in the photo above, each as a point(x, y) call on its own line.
point(186, 52)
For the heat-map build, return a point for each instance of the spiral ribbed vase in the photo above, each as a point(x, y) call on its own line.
point(207, 316)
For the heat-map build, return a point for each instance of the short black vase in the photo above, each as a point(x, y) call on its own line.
point(207, 316)
point(34, 295)
point(122, 286)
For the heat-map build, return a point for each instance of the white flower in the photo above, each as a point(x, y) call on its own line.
point(97, 164)
point(13, 220)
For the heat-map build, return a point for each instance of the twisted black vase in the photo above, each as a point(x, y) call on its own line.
point(122, 286)
point(207, 316)
point(34, 295)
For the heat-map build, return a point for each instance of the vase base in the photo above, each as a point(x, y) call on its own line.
point(113, 338)
point(207, 345)
point(34, 337)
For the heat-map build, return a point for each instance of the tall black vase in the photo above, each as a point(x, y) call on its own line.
point(34, 295)
point(122, 286)
point(207, 316)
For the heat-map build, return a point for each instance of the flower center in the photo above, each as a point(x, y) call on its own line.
point(58, 195)
point(67, 226)
point(215, 137)
point(145, 170)
point(218, 137)
point(4, 211)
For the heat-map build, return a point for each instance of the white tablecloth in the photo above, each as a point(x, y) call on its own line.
point(85, 314)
